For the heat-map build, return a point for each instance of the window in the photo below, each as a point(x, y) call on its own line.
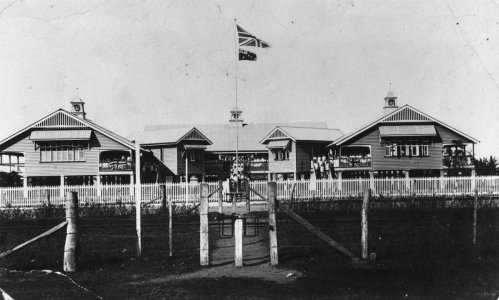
point(407, 149)
point(62, 151)
point(194, 155)
point(281, 154)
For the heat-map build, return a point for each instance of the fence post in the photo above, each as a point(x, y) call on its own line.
point(238, 241)
point(272, 198)
point(220, 196)
point(170, 225)
point(71, 244)
point(203, 226)
point(364, 214)
point(163, 196)
point(475, 209)
point(247, 196)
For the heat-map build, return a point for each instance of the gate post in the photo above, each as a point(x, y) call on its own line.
point(71, 244)
point(238, 242)
point(272, 198)
point(204, 253)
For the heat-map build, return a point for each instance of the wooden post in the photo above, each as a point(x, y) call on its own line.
point(364, 213)
point(71, 244)
point(204, 253)
point(186, 179)
point(272, 198)
point(170, 225)
point(220, 196)
point(163, 196)
point(475, 209)
point(138, 199)
point(247, 196)
point(238, 241)
point(234, 204)
point(47, 191)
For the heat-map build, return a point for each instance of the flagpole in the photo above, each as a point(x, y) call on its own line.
point(237, 108)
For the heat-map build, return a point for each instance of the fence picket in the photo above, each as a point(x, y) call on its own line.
point(303, 190)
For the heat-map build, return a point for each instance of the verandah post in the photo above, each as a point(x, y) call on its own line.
point(203, 226)
point(70, 247)
point(272, 198)
point(365, 233)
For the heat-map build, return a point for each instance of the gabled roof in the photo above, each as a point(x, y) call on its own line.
point(62, 119)
point(303, 134)
point(405, 114)
point(172, 136)
point(223, 136)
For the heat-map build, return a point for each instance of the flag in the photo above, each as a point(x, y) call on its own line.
point(247, 39)
point(246, 55)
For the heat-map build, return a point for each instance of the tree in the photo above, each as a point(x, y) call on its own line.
point(484, 166)
point(10, 179)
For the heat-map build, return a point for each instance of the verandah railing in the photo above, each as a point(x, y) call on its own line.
point(301, 190)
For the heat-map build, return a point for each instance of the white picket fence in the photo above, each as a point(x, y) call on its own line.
point(301, 190)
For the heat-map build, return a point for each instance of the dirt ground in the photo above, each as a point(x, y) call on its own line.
point(418, 256)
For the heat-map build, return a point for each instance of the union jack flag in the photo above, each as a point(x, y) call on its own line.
point(249, 40)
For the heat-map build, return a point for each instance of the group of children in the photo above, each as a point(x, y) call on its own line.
point(321, 167)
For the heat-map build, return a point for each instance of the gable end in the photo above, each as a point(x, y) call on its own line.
point(406, 114)
point(60, 120)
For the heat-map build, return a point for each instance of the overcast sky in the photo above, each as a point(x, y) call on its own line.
point(157, 62)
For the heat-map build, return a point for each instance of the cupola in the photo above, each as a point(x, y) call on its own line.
point(78, 108)
point(390, 103)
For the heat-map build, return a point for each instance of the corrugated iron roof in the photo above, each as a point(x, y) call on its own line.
point(223, 136)
point(312, 134)
point(407, 130)
point(281, 144)
point(57, 135)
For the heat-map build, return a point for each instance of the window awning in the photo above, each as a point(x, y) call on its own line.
point(61, 135)
point(407, 130)
point(282, 144)
point(194, 147)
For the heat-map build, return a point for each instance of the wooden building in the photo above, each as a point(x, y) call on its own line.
point(404, 142)
point(292, 151)
point(220, 153)
point(66, 148)
point(179, 150)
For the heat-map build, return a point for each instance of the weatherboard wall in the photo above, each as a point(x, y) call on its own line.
point(283, 166)
point(306, 151)
point(381, 162)
point(33, 166)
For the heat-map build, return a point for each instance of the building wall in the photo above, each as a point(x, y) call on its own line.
point(305, 152)
point(169, 156)
point(283, 166)
point(382, 162)
point(33, 166)
point(194, 168)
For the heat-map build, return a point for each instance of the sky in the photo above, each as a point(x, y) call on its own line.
point(138, 63)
